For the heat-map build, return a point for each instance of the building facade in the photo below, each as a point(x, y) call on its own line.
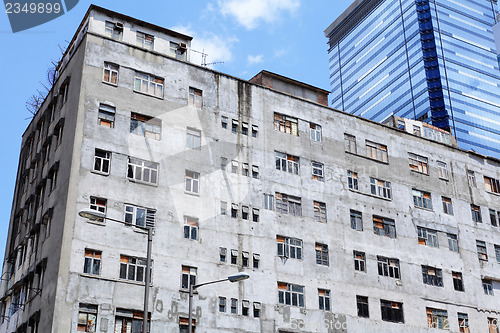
point(342, 223)
point(432, 60)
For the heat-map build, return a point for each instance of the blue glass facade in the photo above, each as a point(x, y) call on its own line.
point(433, 60)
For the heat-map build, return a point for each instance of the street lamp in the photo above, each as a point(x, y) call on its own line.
point(95, 216)
point(231, 278)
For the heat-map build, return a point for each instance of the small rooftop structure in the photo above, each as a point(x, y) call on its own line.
point(422, 129)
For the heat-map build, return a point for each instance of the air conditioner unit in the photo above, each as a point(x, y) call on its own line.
point(119, 26)
point(183, 46)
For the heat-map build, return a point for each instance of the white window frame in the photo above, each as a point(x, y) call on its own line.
point(142, 171)
point(195, 98)
point(139, 216)
point(148, 84)
point(319, 211)
point(193, 138)
point(110, 71)
point(318, 172)
point(315, 132)
point(380, 188)
point(131, 266)
point(287, 204)
point(376, 151)
point(324, 299)
point(192, 182)
point(452, 242)
point(291, 294)
point(112, 31)
point(422, 199)
point(442, 170)
point(287, 163)
point(102, 161)
point(388, 267)
point(447, 205)
point(106, 115)
point(359, 261)
point(427, 237)
point(289, 247)
point(350, 143)
point(418, 163)
point(191, 228)
point(144, 40)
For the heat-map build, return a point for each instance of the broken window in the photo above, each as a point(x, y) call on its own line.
point(384, 227)
point(148, 84)
point(195, 98)
point(376, 151)
point(113, 30)
point(418, 163)
point(102, 160)
point(92, 264)
point(492, 185)
point(352, 180)
point(318, 171)
point(463, 322)
point(289, 247)
point(458, 283)
point(145, 126)
point(192, 182)
point(193, 138)
point(380, 188)
point(287, 163)
point(427, 237)
point(144, 40)
point(319, 211)
point(315, 132)
point(362, 306)
point(481, 250)
point(432, 276)
point(476, 213)
point(87, 318)
point(442, 170)
point(350, 143)
point(422, 199)
point(437, 318)
point(356, 220)
point(190, 228)
point(453, 242)
point(388, 267)
point(133, 268)
point(447, 205)
point(324, 299)
point(140, 216)
point(321, 254)
point(222, 304)
point(359, 261)
point(188, 277)
point(110, 73)
point(143, 171)
point(290, 294)
point(286, 124)
point(287, 204)
point(392, 311)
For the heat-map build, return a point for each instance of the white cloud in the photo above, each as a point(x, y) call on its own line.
point(250, 13)
point(216, 48)
point(252, 60)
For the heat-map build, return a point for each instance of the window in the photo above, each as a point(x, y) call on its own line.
point(92, 264)
point(319, 211)
point(324, 299)
point(497, 253)
point(317, 171)
point(99, 205)
point(476, 214)
point(245, 170)
point(471, 177)
point(113, 30)
point(244, 258)
point(244, 128)
point(244, 212)
point(188, 277)
point(290, 294)
point(234, 210)
point(223, 121)
point(223, 163)
point(416, 130)
point(392, 311)
point(447, 205)
point(376, 151)
point(102, 160)
point(432, 276)
point(190, 228)
point(356, 220)
point(256, 309)
point(234, 306)
point(143, 171)
point(195, 98)
point(268, 201)
point(418, 163)
point(144, 40)
point(148, 84)
point(384, 227)
point(183, 326)
point(132, 268)
point(255, 172)
point(256, 260)
point(234, 126)
point(192, 182)
point(380, 188)
point(140, 216)
point(481, 250)
point(193, 140)
point(223, 208)
point(289, 247)
point(487, 287)
point(255, 131)
point(494, 217)
point(286, 124)
point(255, 214)
point(110, 73)
point(178, 50)
point(287, 163)
point(437, 318)
point(492, 325)
point(422, 199)
point(315, 132)
point(492, 185)
point(463, 322)
point(106, 115)
point(222, 254)
point(452, 242)
point(245, 305)
point(350, 143)
point(222, 304)
point(87, 318)
point(427, 237)
point(359, 261)
point(234, 166)
point(388, 267)
point(58, 131)
point(148, 127)
point(287, 204)
point(234, 257)
point(442, 170)
point(362, 305)
point(352, 180)
point(458, 283)
point(321, 254)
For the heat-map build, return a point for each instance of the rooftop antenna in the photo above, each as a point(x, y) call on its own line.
point(204, 59)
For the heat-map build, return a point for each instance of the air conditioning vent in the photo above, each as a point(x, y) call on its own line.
point(119, 26)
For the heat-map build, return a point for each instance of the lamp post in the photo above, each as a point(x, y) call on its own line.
point(231, 278)
point(94, 216)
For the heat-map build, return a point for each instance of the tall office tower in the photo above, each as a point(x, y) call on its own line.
point(432, 60)
point(341, 223)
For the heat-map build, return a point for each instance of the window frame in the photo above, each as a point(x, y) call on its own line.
point(148, 84)
point(350, 143)
point(192, 179)
point(193, 138)
point(380, 188)
point(286, 124)
point(110, 70)
point(422, 199)
point(315, 132)
point(191, 228)
point(442, 170)
point(92, 262)
point(188, 276)
point(389, 267)
point(130, 266)
point(447, 205)
point(102, 161)
point(359, 261)
point(146, 217)
point(352, 180)
point(289, 247)
point(418, 163)
point(432, 276)
point(392, 311)
point(491, 185)
point(427, 237)
point(288, 204)
point(324, 299)
point(322, 256)
point(112, 31)
point(291, 294)
point(318, 171)
point(144, 40)
point(319, 209)
point(145, 126)
point(376, 151)
point(287, 163)
point(143, 171)
point(388, 226)
point(195, 98)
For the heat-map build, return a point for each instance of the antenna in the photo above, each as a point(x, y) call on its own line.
point(204, 59)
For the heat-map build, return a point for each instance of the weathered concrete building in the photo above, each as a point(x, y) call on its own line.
point(343, 224)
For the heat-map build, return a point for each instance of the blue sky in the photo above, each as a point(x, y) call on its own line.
point(242, 37)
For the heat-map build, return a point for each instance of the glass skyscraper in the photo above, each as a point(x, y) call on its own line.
point(431, 60)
